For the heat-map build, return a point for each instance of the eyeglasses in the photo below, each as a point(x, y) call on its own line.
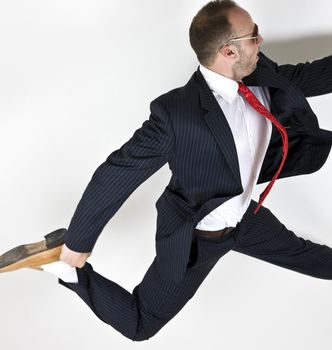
point(255, 36)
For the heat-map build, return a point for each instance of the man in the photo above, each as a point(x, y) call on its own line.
point(217, 146)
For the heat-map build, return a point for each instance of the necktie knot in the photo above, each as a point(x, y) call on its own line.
point(245, 91)
point(242, 86)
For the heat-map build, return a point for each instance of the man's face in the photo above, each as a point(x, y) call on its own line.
point(243, 26)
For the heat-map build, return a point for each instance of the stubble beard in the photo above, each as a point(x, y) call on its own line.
point(244, 67)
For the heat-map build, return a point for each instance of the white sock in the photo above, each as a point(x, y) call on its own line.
point(62, 271)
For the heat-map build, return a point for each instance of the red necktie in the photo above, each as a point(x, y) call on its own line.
point(253, 101)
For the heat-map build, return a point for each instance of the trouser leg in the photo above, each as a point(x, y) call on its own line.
point(154, 301)
point(264, 237)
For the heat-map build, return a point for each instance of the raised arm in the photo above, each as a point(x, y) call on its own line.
point(123, 171)
point(312, 78)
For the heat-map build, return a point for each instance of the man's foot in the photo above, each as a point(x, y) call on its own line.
point(61, 270)
point(34, 255)
point(39, 268)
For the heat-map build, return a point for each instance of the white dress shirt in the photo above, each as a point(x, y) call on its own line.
point(251, 132)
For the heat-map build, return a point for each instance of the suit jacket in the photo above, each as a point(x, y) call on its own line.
point(188, 130)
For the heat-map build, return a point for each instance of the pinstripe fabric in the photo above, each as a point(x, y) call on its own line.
point(155, 300)
point(187, 130)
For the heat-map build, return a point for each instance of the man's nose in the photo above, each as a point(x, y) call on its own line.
point(260, 39)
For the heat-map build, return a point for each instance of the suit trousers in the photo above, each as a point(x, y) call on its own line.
point(155, 300)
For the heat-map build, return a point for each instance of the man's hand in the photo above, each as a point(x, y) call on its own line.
point(74, 259)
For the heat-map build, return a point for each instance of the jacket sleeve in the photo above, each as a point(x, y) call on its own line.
point(118, 176)
point(312, 78)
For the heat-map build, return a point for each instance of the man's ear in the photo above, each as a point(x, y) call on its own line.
point(229, 52)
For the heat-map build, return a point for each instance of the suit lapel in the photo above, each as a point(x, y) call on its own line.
point(264, 76)
point(218, 125)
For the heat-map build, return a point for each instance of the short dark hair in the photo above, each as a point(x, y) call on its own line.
point(210, 28)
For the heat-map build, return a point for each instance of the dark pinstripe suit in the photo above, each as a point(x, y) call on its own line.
point(188, 130)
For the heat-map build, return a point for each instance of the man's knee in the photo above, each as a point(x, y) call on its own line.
point(142, 335)
point(148, 327)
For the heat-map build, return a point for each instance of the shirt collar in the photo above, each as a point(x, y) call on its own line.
point(225, 87)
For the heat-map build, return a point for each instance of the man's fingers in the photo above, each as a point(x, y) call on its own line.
point(72, 258)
